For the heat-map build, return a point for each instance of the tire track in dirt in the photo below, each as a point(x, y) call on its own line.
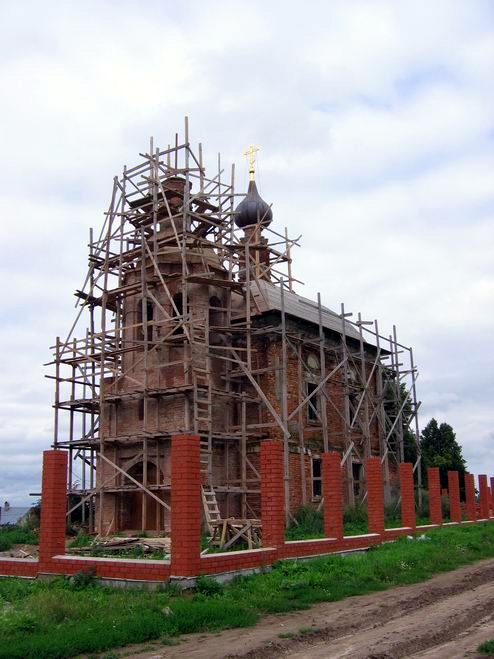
point(400, 622)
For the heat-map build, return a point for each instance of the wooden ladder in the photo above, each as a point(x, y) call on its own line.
point(211, 510)
point(203, 403)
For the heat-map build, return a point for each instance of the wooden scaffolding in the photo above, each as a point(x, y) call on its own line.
point(167, 210)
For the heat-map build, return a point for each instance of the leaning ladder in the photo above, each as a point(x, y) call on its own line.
point(211, 510)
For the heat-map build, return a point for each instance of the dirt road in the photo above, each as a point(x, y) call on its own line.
point(445, 618)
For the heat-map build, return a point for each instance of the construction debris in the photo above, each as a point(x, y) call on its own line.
point(116, 545)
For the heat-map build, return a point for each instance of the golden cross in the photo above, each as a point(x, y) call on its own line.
point(251, 159)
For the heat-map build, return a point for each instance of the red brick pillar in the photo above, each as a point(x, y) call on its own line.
point(332, 490)
point(375, 495)
point(53, 506)
point(492, 495)
point(470, 497)
point(484, 497)
point(186, 512)
point(407, 495)
point(434, 484)
point(454, 496)
point(272, 493)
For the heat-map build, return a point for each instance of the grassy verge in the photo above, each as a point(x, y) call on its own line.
point(63, 618)
point(308, 522)
point(486, 648)
point(16, 535)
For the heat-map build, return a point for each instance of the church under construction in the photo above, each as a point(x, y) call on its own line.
point(188, 322)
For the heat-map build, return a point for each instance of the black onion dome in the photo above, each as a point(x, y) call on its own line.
point(252, 209)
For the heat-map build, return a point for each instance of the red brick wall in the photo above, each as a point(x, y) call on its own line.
point(53, 507)
point(375, 495)
point(186, 513)
point(272, 493)
point(470, 497)
point(484, 496)
point(332, 484)
point(434, 486)
point(454, 496)
point(106, 568)
point(492, 494)
point(18, 567)
point(407, 495)
point(186, 518)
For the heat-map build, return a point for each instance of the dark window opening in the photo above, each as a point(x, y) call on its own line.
point(316, 478)
point(146, 306)
point(312, 404)
point(357, 473)
point(140, 410)
point(236, 421)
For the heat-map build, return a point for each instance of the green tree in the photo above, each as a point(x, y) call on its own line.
point(440, 448)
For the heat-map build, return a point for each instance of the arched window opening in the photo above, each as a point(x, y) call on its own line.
point(131, 508)
point(145, 317)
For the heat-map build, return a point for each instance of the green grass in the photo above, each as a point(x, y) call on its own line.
point(486, 648)
point(67, 617)
point(82, 539)
point(130, 553)
point(16, 535)
point(308, 523)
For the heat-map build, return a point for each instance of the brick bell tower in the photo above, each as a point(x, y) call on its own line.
point(173, 306)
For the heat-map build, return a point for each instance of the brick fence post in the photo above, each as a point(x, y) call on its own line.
point(484, 497)
point(53, 506)
point(272, 493)
point(454, 496)
point(470, 497)
point(186, 507)
point(492, 494)
point(407, 495)
point(434, 485)
point(375, 495)
point(332, 490)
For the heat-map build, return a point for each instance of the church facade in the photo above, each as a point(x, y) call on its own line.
point(195, 326)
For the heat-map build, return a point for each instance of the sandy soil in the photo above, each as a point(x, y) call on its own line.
point(445, 618)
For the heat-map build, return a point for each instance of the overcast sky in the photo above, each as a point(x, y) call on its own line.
point(376, 122)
